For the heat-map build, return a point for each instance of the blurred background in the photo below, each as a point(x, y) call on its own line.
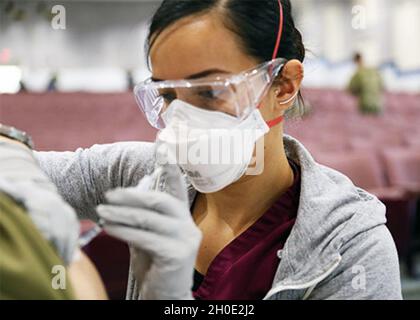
point(67, 69)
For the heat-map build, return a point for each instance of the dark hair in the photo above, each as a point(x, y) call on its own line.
point(255, 22)
point(357, 57)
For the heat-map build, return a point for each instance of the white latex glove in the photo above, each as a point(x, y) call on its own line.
point(160, 226)
point(23, 180)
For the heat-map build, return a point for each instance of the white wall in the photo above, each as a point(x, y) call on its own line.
point(104, 38)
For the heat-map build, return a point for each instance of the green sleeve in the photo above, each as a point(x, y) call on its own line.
point(29, 266)
point(354, 85)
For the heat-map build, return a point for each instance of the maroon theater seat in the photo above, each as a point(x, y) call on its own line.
point(403, 167)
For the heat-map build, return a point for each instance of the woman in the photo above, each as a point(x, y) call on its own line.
point(296, 230)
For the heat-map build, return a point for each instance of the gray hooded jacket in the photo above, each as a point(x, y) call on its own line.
point(339, 247)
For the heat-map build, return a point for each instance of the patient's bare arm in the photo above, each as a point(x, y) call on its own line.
point(85, 279)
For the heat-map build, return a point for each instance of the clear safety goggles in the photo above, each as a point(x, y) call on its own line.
point(237, 95)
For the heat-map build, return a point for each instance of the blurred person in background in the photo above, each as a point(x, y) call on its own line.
point(22, 87)
point(367, 85)
point(52, 83)
point(130, 80)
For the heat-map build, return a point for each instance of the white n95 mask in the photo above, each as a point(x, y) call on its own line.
point(213, 148)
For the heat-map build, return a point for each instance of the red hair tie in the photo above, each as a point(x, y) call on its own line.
point(275, 122)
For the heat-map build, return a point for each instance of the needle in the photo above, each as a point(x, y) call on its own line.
point(152, 182)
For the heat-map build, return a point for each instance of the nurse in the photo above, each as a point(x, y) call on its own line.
point(291, 230)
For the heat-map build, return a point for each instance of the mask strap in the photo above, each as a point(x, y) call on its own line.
point(273, 123)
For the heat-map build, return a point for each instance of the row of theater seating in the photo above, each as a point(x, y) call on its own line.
point(66, 121)
point(334, 123)
point(380, 154)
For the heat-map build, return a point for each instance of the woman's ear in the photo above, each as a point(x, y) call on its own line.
point(288, 84)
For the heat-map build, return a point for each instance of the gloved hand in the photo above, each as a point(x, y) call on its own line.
point(159, 226)
point(23, 180)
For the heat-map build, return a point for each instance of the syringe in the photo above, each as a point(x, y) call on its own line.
point(91, 234)
point(155, 181)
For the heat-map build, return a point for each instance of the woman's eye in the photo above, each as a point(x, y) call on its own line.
point(207, 94)
point(168, 97)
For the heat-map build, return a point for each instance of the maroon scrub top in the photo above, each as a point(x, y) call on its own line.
point(245, 268)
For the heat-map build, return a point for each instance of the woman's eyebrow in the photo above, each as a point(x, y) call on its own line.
point(200, 74)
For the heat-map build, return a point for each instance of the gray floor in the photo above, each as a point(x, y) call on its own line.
point(411, 287)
